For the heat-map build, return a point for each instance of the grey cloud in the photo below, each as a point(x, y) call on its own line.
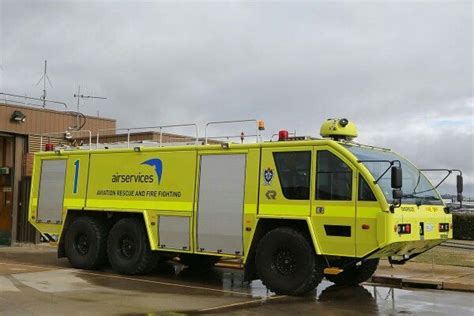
point(395, 68)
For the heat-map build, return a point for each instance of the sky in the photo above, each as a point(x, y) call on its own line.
point(401, 70)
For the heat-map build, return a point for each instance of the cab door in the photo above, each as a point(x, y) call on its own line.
point(368, 208)
point(333, 207)
point(285, 181)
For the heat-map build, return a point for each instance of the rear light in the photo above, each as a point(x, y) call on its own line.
point(444, 227)
point(404, 228)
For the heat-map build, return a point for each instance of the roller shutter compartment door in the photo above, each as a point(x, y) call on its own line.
point(51, 191)
point(221, 203)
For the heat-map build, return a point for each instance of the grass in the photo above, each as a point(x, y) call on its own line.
point(447, 256)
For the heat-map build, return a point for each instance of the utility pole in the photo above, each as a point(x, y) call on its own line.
point(43, 78)
point(80, 96)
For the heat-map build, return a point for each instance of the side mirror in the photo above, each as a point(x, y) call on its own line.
point(397, 177)
point(397, 196)
point(397, 193)
point(459, 186)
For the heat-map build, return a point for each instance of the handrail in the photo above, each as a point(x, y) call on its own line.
point(228, 137)
point(65, 133)
point(159, 127)
point(231, 122)
point(31, 98)
point(112, 130)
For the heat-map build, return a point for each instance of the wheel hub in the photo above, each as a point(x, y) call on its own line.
point(81, 244)
point(285, 262)
point(127, 247)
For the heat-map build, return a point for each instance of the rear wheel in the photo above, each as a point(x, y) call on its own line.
point(86, 243)
point(199, 262)
point(355, 274)
point(286, 262)
point(128, 248)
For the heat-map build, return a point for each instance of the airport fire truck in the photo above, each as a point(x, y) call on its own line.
point(291, 211)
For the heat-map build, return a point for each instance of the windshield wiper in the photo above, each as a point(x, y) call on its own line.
point(414, 196)
point(411, 196)
point(420, 199)
point(431, 198)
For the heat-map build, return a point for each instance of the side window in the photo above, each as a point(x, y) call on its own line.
point(294, 173)
point(333, 178)
point(365, 193)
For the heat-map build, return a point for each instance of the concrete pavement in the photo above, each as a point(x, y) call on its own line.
point(34, 282)
point(413, 274)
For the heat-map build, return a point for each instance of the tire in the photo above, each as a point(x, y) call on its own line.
point(286, 262)
point(356, 274)
point(86, 243)
point(128, 248)
point(199, 262)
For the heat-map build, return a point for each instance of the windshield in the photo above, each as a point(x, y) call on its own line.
point(416, 187)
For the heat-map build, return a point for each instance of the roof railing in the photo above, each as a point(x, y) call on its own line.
point(67, 135)
point(257, 133)
point(25, 98)
point(159, 128)
point(119, 133)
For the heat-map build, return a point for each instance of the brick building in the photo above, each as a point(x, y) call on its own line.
point(20, 130)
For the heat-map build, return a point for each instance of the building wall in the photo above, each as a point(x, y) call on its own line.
point(39, 121)
point(18, 142)
point(7, 145)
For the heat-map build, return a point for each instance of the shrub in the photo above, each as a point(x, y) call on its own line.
point(463, 225)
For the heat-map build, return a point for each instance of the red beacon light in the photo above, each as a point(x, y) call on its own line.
point(49, 147)
point(282, 135)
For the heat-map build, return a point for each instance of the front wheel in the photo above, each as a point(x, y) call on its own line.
point(356, 274)
point(128, 248)
point(286, 262)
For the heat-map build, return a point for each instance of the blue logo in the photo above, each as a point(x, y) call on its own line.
point(158, 165)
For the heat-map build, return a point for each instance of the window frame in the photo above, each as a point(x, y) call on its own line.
point(361, 177)
point(279, 174)
point(353, 196)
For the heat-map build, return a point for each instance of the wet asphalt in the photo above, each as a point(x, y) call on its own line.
point(34, 282)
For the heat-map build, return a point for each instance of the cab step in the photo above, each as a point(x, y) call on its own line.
point(332, 270)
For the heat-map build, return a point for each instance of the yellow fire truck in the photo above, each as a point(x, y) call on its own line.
point(291, 211)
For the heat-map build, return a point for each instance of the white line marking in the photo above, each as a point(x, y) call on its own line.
point(135, 279)
point(167, 283)
point(262, 300)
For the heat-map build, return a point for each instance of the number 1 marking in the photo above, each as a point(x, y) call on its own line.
point(76, 176)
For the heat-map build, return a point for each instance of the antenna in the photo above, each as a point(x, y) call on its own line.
point(1, 75)
point(80, 96)
point(43, 78)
